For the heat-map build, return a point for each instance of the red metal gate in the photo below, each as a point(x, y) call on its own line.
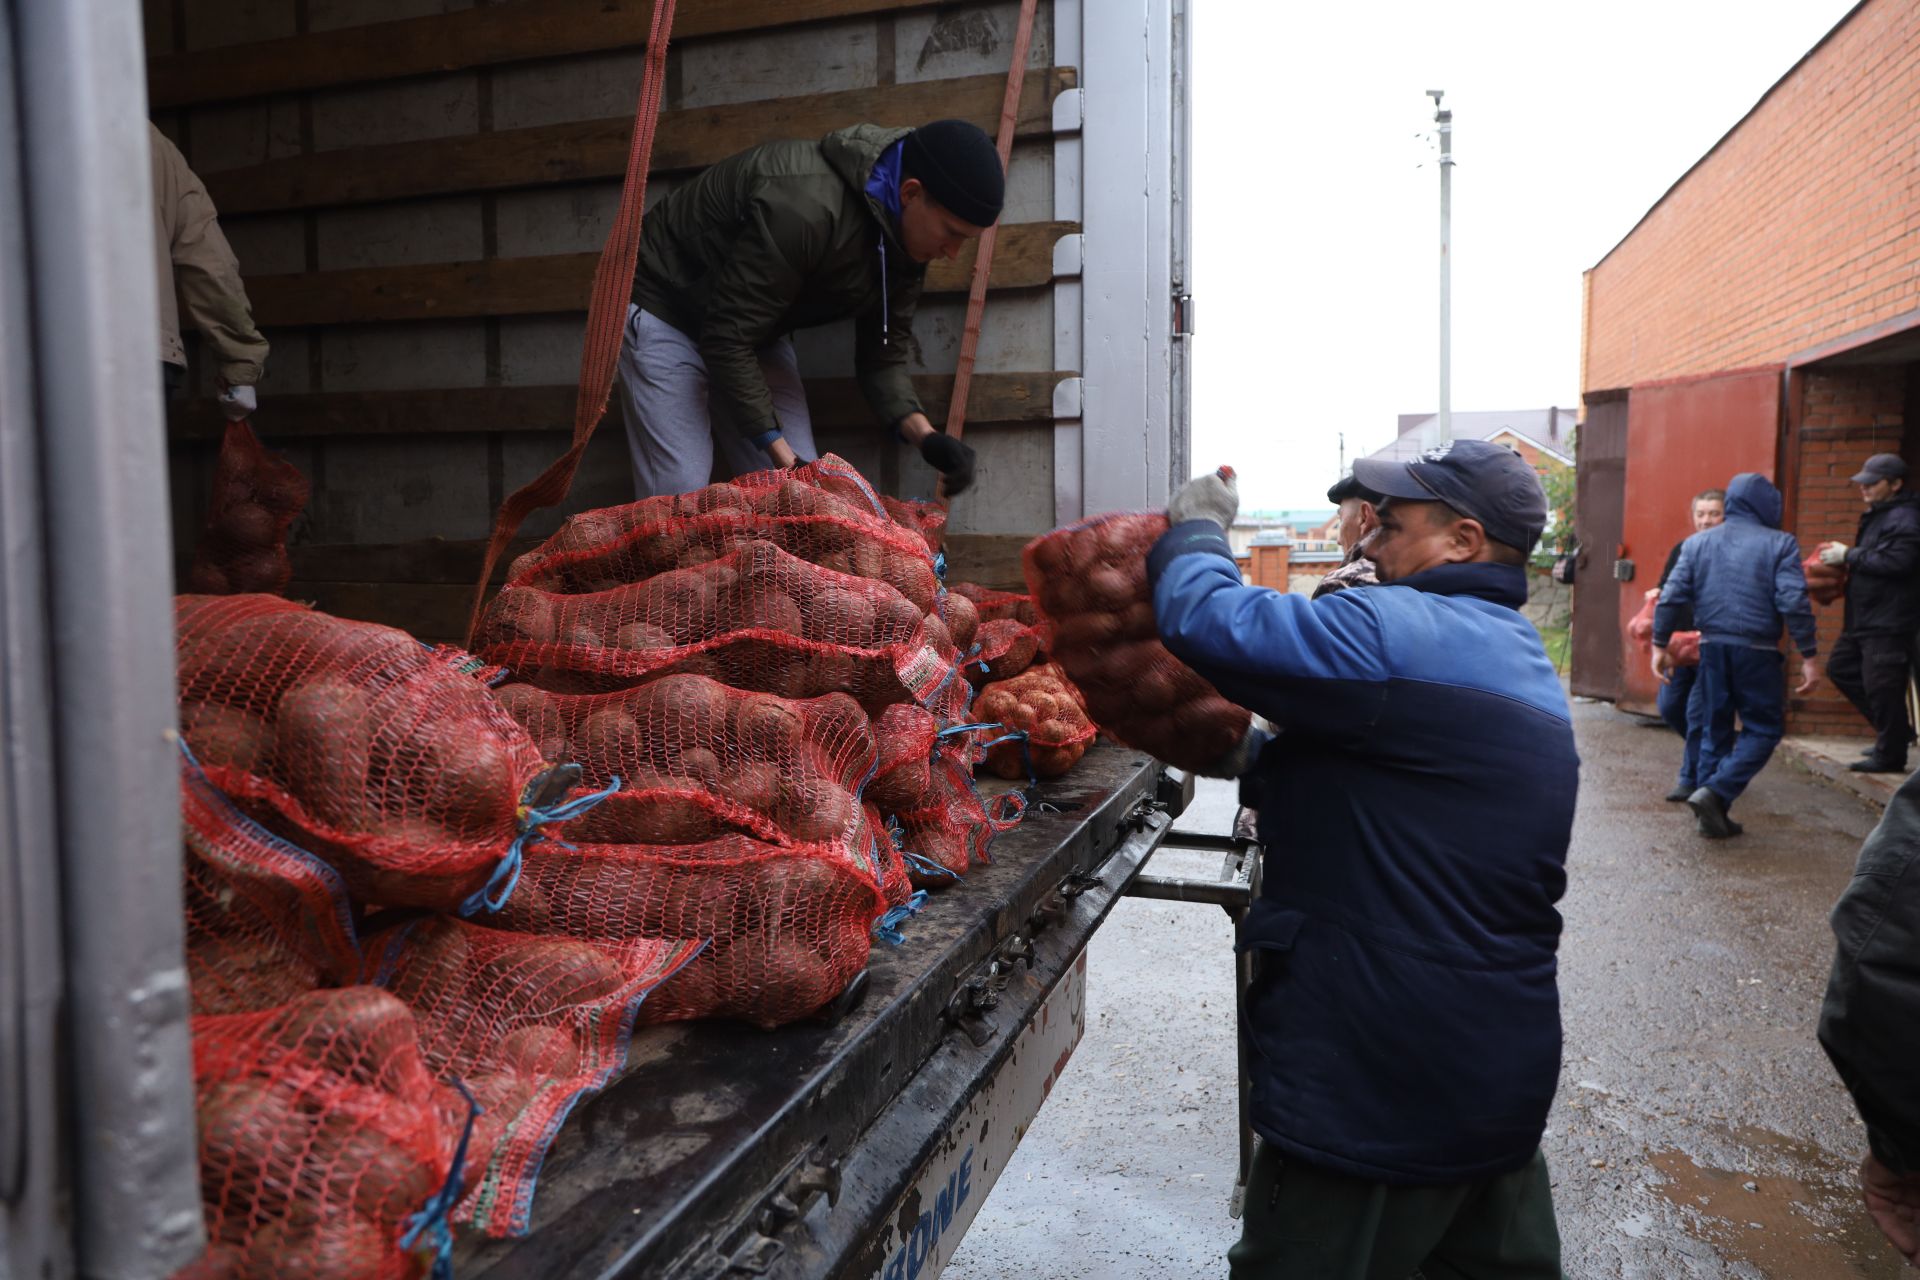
point(1686, 436)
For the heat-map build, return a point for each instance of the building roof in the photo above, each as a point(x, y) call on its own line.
point(1297, 518)
point(1549, 430)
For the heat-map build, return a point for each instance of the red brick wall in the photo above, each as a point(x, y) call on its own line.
point(1848, 416)
point(1802, 226)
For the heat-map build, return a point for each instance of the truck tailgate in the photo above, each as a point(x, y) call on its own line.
point(702, 1158)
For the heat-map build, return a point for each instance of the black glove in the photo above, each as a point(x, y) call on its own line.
point(952, 458)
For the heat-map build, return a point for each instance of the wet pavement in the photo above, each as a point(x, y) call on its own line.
point(1698, 1132)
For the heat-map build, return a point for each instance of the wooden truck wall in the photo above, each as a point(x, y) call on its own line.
point(417, 190)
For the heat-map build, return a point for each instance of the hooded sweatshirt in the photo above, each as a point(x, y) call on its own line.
point(1742, 578)
point(785, 236)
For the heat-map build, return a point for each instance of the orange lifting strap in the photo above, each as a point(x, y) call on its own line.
point(606, 316)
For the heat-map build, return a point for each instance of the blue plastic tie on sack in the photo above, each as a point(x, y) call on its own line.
point(434, 1220)
point(499, 887)
point(969, 728)
point(887, 926)
point(927, 866)
point(940, 565)
point(1026, 754)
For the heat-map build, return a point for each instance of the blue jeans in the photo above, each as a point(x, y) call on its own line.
point(1672, 701)
point(1752, 683)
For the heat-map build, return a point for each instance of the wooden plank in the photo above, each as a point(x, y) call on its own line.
point(556, 283)
point(435, 612)
point(835, 402)
point(436, 560)
point(487, 35)
point(990, 559)
point(591, 149)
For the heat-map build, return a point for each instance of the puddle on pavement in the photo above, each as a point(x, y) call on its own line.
point(1788, 1228)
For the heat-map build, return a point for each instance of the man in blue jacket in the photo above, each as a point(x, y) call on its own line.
point(1742, 579)
point(1417, 802)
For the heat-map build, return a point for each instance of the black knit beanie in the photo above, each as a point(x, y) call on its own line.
point(960, 168)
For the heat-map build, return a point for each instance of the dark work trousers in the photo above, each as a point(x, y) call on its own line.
point(1303, 1223)
point(1750, 683)
point(1872, 671)
point(1672, 701)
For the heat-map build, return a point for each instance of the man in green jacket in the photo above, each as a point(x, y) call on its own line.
point(781, 237)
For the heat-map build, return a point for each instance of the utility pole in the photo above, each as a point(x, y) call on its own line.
point(1444, 119)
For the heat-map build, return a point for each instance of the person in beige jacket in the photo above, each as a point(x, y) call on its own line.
point(197, 268)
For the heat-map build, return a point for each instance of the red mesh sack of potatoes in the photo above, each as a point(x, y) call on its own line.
point(1043, 706)
point(1005, 649)
point(695, 759)
point(928, 519)
point(1089, 581)
point(757, 617)
point(790, 925)
point(998, 606)
point(823, 513)
point(1826, 583)
point(1684, 647)
point(1640, 625)
point(256, 496)
point(904, 736)
point(953, 828)
point(327, 1148)
point(529, 1025)
point(381, 755)
point(266, 921)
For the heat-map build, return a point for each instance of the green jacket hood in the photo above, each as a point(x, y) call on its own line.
point(852, 152)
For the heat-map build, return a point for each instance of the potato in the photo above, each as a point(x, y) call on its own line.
point(545, 978)
point(227, 736)
point(352, 1162)
point(248, 523)
point(340, 1244)
point(912, 577)
point(608, 741)
point(767, 727)
point(963, 620)
point(816, 810)
point(697, 764)
point(839, 615)
point(758, 786)
point(243, 1123)
point(206, 578)
point(518, 615)
point(528, 704)
point(775, 611)
point(894, 620)
point(643, 636)
point(323, 733)
point(996, 704)
point(362, 1033)
point(937, 635)
point(900, 789)
point(466, 781)
point(544, 1052)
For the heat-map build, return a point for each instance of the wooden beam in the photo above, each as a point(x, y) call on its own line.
point(835, 402)
point(438, 560)
point(555, 283)
point(430, 611)
point(990, 559)
point(484, 36)
point(593, 149)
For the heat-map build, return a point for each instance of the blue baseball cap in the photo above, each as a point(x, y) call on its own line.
point(1478, 479)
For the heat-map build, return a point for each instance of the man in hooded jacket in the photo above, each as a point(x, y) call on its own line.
point(1743, 580)
point(785, 236)
point(1870, 662)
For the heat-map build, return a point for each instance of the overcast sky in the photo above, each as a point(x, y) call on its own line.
point(1316, 203)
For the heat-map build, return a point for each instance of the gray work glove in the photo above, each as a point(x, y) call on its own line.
point(238, 403)
point(1239, 761)
point(951, 458)
point(1213, 497)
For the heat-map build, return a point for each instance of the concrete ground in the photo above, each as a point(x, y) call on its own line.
point(1698, 1132)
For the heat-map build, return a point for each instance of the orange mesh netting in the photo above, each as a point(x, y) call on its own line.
point(529, 1025)
point(695, 759)
point(953, 826)
point(928, 519)
point(1826, 583)
point(756, 617)
point(322, 1135)
point(1044, 706)
point(994, 606)
point(1089, 581)
point(383, 756)
point(266, 921)
point(790, 924)
point(256, 496)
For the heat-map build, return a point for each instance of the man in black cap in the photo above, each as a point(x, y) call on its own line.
point(1871, 661)
point(1417, 801)
point(782, 237)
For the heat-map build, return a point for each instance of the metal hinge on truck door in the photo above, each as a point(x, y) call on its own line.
point(1183, 315)
point(752, 1246)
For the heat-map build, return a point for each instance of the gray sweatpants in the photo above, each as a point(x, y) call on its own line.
point(662, 389)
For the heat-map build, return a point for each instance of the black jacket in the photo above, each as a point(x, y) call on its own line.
point(1870, 1023)
point(1883, 569)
